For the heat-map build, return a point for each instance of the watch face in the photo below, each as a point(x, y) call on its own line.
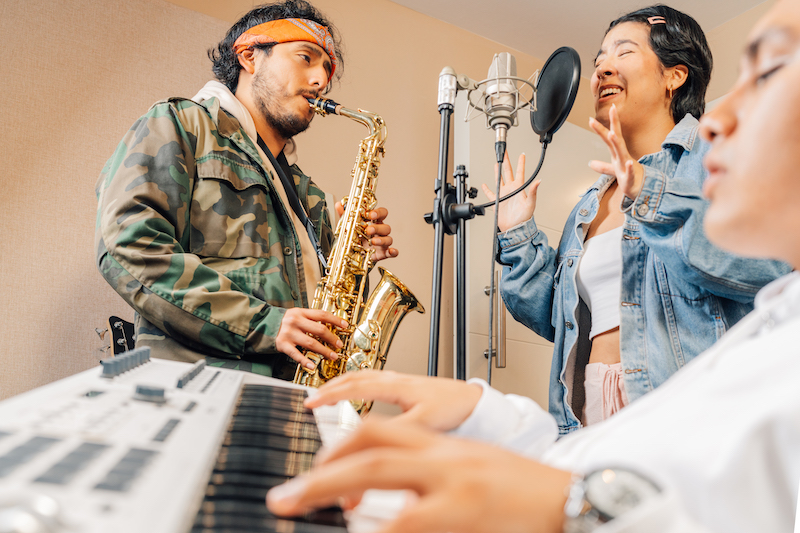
point(612, 492)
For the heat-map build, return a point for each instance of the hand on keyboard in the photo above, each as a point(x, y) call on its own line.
point(461, 485)
point(435, 403)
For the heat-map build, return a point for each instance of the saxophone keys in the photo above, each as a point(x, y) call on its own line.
point(342, 302)
point(358, 361)
point(367, 335)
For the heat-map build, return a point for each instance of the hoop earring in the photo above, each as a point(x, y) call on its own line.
point(670, 93)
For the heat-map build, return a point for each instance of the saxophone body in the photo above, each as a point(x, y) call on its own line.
point(372, 324)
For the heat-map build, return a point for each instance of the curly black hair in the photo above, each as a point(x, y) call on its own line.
point(226, 66)
point(680, 41)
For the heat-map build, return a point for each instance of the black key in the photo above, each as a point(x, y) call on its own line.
point(272, 437)
point(275, 442)
point(246, 479)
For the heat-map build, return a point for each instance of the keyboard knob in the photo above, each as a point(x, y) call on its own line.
point(150, 393)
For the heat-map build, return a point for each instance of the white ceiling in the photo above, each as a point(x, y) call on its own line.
point(539, 27)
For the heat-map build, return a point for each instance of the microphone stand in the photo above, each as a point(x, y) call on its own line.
point(450, 211)
point(435, 218)
point(462, 211)
point(449, 216)
point(500, 152)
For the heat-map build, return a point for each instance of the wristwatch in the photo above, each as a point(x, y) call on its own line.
point(603, 495)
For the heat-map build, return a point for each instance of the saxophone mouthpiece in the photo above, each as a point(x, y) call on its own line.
point(323, 106)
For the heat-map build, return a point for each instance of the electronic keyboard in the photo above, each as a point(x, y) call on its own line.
point(157, 446)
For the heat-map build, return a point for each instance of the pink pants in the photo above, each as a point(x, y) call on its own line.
point(605, 392)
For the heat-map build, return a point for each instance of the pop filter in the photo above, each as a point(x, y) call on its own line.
point(556, 89)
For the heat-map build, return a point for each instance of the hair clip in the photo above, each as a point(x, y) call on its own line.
point(656, 20)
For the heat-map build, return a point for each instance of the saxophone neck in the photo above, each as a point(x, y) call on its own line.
point(374, 122)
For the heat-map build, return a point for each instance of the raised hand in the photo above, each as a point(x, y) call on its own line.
point(437, 403)
point(519, 208)
point(629, 173)
point(461, 485)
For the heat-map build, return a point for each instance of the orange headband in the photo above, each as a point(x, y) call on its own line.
point(288, 30)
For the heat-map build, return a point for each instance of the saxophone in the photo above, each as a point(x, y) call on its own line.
point(372, 325)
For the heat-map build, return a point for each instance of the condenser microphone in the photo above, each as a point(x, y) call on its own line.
point(500, 97)
point(447, 88)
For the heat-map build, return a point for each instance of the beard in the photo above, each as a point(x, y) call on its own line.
point(267, 96)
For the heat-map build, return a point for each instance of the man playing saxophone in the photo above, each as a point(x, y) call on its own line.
point(206, 225)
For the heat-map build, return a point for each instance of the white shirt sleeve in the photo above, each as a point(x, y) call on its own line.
point(521, 425)
point(513, 422)
point(662, 514)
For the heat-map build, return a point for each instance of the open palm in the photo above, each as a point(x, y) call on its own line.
point(518, 208)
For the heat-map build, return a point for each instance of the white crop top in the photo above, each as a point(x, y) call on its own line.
point(598, 278)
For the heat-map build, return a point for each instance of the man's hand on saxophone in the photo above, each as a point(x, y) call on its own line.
point(379, 235)
point(305, 328)
point(378, 232)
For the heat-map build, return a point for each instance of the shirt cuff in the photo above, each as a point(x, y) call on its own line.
point(662, 514)
point(511, 421)
point(645, 206)
point(520, 233)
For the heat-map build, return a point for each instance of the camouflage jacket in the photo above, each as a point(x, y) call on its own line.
point(193, 235)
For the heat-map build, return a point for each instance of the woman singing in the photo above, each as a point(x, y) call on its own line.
point(634, 290)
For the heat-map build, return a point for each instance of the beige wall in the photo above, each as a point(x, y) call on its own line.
point(76, 74)
point(726, 43)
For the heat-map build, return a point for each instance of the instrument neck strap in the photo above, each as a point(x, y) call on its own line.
point(281, 166)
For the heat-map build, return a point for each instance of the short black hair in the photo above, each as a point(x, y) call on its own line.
point(226, 66)
point(680, 41)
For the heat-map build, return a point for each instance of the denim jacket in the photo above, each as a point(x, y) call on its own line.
point(679, 293)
